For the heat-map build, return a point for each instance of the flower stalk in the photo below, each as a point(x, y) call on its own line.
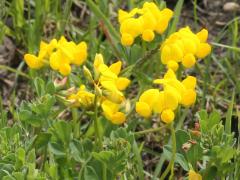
point(98, 138)
point(170, 166)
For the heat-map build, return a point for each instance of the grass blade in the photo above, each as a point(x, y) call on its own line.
point(137, 154)
point(99, 14)
point(177, 12)
point(228, 124)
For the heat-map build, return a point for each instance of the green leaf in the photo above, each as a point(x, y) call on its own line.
point(203, 120)
point(39, 86)
point(122, 133)
point(31, 157)
point(20, 158)
point(167, 152)
point(56, 149)
point(104, 156)
point(81, 151)
point(214, 119)
point(8, 177)
point(228, 125)
point(41, 140)
point(50, 88)
point(21, 155)
point(90, 173)
point(135, 54)
point(30, 118)
point(181, 138)
point(194, 154)
point(18, 175)
point(210, 173)
point(63, 131)
point(224, 154)
point(137, 156)
point(18, 12)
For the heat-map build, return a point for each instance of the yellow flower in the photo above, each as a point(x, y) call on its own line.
point(148, 35)
point(127, 39)
point(173, 65)
point(189, 96)
point(188, 60)
point(80, 53)
point(146, 102)
point(111, 112)
point(202, 35)
point(107, 79)
point(65, 69)
point(132, 27)
point(203, 50)
point(143, 21)
point(162, 102)
point(192, 175)
point(82, 98)
point(97, 62)
point(122, 83)
point(167, 116)
point(60, 54)
point(184, 46)
point(37, 62)
point(33, 61)
point(170, 82)
point(122, 15)
point(184, 91)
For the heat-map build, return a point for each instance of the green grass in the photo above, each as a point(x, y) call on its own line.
point(218, 85)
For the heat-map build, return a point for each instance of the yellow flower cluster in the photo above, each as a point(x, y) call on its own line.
point(164, 102)
point(108, 87)
point(59, 54)
point(82, 98)
point(143, 21)
point(112, 86)
point(184, 46)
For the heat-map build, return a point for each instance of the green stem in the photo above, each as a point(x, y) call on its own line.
point(76, 123)
point(234, 48)
point(195, 13)
point(149, 130)
point(144, 59)
point(98, 138)
point(170, 166)
point(140, 62)
point(14, 71)
point(104, 172)
point(99, 14)
point(65, 18)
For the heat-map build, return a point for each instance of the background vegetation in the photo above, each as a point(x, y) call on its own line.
point(135, 150)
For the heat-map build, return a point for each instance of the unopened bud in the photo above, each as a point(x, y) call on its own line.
point(195, 133)
point(87, 74)
point(186, 146)
point(197, 125)
point(98, 90)
point(59, 84)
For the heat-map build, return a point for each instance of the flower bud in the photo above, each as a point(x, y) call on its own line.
point(87, 74)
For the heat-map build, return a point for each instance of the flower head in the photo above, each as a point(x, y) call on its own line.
point(112, 113)
point(82, 98)
point(59, 55)
point(184, 46)
point(108, 78)
point(164, 102)
point(144, 22)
